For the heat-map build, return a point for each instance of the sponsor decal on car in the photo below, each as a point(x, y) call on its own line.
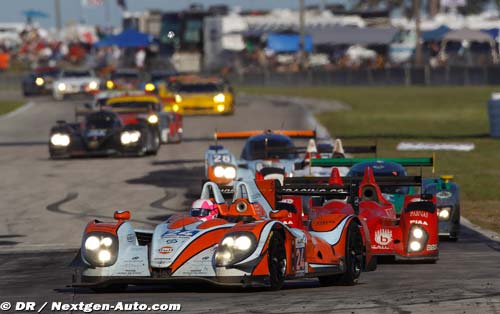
point(432, 247)
point(130, 237)
point(383, 236)
point(165, 250)
point(444, 194)
point(186, 233)
point(419, 222)
point(419, 213)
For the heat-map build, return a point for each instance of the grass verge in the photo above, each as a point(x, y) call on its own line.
point(7, 106)
point(389, 115)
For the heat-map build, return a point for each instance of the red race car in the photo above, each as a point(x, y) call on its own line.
point(411, 236)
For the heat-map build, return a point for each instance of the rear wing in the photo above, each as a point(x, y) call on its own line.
point(323, 149)
point(348, 181)
point(246, 134)
point(349, 162)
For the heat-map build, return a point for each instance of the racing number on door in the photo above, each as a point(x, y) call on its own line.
point(222, 158)
point(299, 259)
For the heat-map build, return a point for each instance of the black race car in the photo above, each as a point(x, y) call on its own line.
point(40, 81)
point(448, 203)
point(103, 133)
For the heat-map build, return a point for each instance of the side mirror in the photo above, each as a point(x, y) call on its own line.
point(122, 215)
point(280, 214)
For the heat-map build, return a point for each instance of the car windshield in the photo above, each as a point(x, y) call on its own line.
point(199, 212)
point(196, 88)
point(76, 74)
point(100, 120)
point(124, 75)
point(132, 104)
point(161, 76)
point(52, 73)
point(274, 147)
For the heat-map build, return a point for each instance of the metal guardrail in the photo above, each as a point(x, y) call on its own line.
point(423, 76)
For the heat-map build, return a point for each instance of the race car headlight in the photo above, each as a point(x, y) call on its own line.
point(104, 256)
point(61, 87)
point(93, 85)
point(415, 246)
point(100, 249)
point(230, 173)
point(417, 233)
point(130, 137)
point(175, 107)
point(219, 98)
point(234, 248)
point(221, 108)
point(92, 243)
point(227, 172)
point(153, 119)
point(417, 239)
point(178, 98)
point(60, 139)
point(149, 87)
point(219, 171)
point(444, 213)
point(110, 84)
point(39, 81)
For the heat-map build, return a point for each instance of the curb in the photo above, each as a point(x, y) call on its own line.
point(492, 235)
point(19, 110)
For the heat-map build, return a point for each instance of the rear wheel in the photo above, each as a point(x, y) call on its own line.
point(353, 260)
point(276, 261)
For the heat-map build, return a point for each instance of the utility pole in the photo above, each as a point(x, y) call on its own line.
point(418, 47)
point(57, 15)
point(302, 31)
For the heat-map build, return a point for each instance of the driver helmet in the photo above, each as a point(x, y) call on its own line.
point(204, 209)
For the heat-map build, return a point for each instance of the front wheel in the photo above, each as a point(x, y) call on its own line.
point(276, 261)
point(154, 143)
point(353, 260)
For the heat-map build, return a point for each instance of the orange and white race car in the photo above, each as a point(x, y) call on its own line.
point(248, 244)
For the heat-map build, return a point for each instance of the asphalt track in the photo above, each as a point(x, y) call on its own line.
point(45, 205)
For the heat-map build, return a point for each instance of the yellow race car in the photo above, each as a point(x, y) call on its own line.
point(192, 95)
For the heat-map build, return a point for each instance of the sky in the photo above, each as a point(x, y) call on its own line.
point(73, 11)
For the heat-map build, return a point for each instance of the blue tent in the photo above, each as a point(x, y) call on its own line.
point(127, 39)
point(287, 42)
point(436, 34)
point(492, 31)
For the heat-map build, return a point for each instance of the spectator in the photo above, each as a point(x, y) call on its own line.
point(140, 58)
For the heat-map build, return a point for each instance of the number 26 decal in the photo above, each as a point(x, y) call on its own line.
point(222, 158)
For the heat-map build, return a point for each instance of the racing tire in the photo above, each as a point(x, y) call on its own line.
point(353, 260)
point(155, 143)
point(115, 288)
point(276, 255)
